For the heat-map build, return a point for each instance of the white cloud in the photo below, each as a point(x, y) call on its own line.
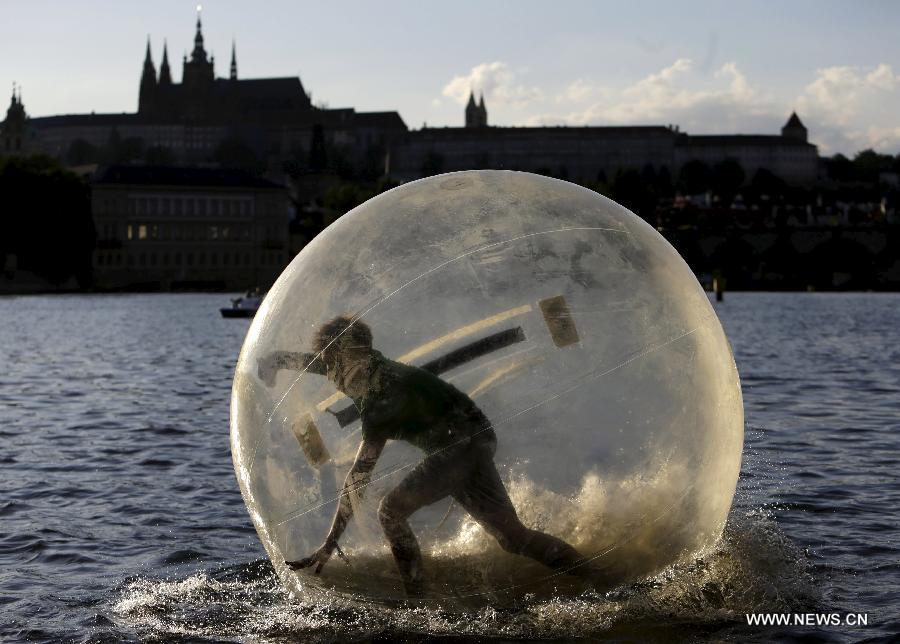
point(577, 91)
point(500, 84)
point(850, 108)
point(882, 77)
point(882, 138)
point(839, 93)
point(845, 108)
point(680, 94)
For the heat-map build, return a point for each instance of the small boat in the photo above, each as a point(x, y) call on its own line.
point(243, 307)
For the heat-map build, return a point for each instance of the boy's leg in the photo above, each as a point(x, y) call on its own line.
point(435, 478)
point(485, 497)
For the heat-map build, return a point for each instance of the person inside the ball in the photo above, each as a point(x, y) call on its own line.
point(402, 402)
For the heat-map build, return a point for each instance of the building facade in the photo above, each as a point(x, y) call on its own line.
point(187, 122)
point(194, 121)
point(192, 228)
point(595, 152)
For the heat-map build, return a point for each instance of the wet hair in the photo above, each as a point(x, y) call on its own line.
point(343, 332)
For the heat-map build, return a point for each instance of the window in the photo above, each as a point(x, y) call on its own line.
point(142, 259)
point(154, 231)
point(129, 232)
point(177, 259)
point(190, 259)
point(152, 259)
point(165, 259)
point(213, 232)
point(142, 231)
point(201, 259)
point(131, 260)
point(213, 259)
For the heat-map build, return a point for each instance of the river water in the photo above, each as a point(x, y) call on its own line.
point(121, 519)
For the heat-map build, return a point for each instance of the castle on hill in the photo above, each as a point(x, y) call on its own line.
point(199, 120)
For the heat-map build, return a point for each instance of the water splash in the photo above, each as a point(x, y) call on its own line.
point(753, 568)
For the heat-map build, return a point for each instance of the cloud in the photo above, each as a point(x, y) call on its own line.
point(882, 138)
point(500, 85)
point(678, 94)
point(577, 91)
point(852, 108)
point(839, 93)
point(846, 108)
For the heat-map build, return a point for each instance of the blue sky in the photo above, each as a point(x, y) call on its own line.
point(705, 66)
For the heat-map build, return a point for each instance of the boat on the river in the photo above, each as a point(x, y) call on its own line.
point(243, 307)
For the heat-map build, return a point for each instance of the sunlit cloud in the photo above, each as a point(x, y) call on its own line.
point(677, 94)
point(500, 85)
point(854, 107)
point(845, 108)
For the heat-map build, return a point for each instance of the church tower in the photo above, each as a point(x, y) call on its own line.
point(472, 114)
point(233, 74)
point(197, 73)
point(14, 140)
point(476, 113)
point(794, 129)
point(147, 94)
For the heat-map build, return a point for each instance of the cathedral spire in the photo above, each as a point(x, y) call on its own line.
point(233, 75)
point(482, 112)
point(147, 92)
point(148, 58)
point(199, 54)
point(165, 74)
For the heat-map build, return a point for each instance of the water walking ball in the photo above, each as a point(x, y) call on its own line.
point(528, 387)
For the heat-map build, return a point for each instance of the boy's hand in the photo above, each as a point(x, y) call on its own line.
point(319, 558)
point(267, 367)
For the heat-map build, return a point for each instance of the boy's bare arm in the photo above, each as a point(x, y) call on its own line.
point(357, 480)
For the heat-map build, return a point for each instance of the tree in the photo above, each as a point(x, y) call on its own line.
point(694, 177)
point(869, 163)
point(727, 179)
point(46, 220)
point(765, 182)
point(81, 152)
point(840, 168)
point(318, 158)
point(631, 190)
point(119, 150)
point(432, 164)
point(234, 152)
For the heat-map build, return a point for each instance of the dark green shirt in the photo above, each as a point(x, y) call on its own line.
point(413, 405)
